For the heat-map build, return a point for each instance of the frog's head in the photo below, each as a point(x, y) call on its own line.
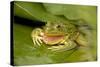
point(55, 32)
point(58, 28)
point(54, 29)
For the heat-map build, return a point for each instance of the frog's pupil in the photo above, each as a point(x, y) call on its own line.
point(58, 26)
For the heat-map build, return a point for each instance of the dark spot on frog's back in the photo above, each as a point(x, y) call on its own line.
point(27, 22)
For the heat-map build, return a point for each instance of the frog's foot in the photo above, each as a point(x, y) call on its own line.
point(36, 37)
point(82, 41)
point(66, 46)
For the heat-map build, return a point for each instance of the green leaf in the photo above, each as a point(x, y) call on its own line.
point(34, 11)
point(26, 54)
point(73, 12)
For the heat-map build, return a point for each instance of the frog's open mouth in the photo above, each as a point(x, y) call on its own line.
point(52, 39)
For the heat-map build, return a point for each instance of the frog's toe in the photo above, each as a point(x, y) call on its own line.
point(82, 41)
point(34, 42)
point(56, 48)
point(38, 43)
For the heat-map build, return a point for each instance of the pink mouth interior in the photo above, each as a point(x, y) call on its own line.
point(52, 39)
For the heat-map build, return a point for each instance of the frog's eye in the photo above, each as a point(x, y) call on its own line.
point(58, 26)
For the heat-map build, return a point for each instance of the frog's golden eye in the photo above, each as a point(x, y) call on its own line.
point(58, 26)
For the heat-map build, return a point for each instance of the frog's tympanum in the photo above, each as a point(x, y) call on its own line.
point(58, 36)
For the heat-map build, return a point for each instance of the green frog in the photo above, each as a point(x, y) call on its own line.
point(58, 36)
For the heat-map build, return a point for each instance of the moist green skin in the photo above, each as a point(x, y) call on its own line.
point(69, 32)
point(59, 27)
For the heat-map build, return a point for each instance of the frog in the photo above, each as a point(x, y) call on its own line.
point(58, 36)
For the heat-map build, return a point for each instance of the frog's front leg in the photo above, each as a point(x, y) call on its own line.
point(82, 41)
point(67, 45)
point(36, 36)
